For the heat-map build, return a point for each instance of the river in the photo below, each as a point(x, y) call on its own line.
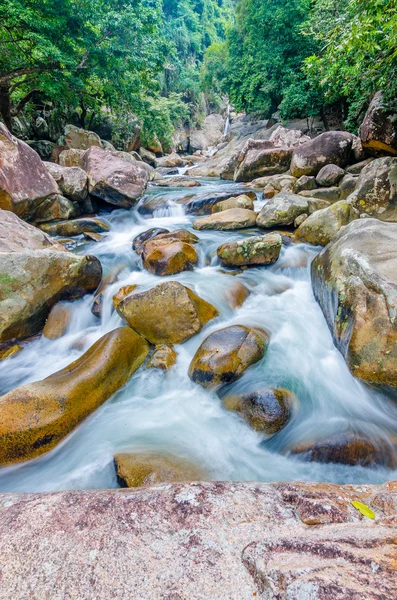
point(159, 411)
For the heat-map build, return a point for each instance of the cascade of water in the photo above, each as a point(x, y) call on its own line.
point(167, 412)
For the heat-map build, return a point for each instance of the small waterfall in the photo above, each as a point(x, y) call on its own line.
point(227, 126)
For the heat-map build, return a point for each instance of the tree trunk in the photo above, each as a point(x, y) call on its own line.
point(5, 106)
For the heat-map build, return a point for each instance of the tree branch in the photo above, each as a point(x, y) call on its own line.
point(22, 103)
point(8, 77)
point(89, 50)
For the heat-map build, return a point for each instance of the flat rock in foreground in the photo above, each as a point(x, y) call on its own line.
point(230, 541)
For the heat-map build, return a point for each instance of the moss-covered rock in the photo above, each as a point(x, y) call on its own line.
point(36, 416)
point(323, 225)
point(252, 251)
point(152, 313)
point(226, 354)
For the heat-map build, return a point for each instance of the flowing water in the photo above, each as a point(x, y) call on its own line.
point(158, 411)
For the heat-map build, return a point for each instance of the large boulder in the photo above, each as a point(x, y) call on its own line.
point(152, 313)
point(80, 139)
point(113, 179)
point(24, 180)
point(55, 208)
point(252, 251)
point(71, 157)
point(331, 147)
point(226, 354)
point(227, 220)
point(136, 470)
point(170, 160)
point(282, 210)
point(72, 181)
point(282, 136)
point(75, 227)
point(266, 410)
point(378, 131)
point(227, 540)
point(323, 225)
point(260, 158)
point(375, 192)
point(205, 204)
point(210, 134)
point(37, 416)
point(242, 201)
point(329, 175)
point(35, 273)
point(354, 281)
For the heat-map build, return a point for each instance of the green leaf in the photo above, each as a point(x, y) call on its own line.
point(364, 509)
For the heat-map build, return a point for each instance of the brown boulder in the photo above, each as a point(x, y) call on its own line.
point(80, 139)
point(136, 470)
point(378, 131)
point(71, 157)
point(36, 273)
point(204, 204)
point(152, 313)
point(227, 220)
point(57, 322)
point(54, 208)
point(252, 251)
point(329, 176)
point(123, 292)
point(242, 201)
point(261, 158)
point(168, 256)
point(354, 280)
point(266, 410)
point(37, 416)
point(75, 227)
point(331, 147)
point(349, 448)
point(24, 181)
point(140, 240)
point(170, 160)
point(163, 357)
point(113, 179)
point(225, 354)
point(237, 294)
point(323, 225)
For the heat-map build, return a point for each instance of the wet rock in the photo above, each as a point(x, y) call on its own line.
point(378, 131)
point(354, 281)
point(227, 220)
point(164, 357)
point(183, 235)
point(72, 181)
point(57, 322)
point(111, 277)
point(258, 250)
point(92, 237)
point(266, 410)
point(75, 227)
point(203, 204)
point(168, 256)
point(331, 194)
point(170, 160)
point(35, 273)
point(329, 176)
point(349, 448)
point(375, 193)
point(80, 139)
point(24, 181)
point(331, 147)
point(322, 226)
point(54, 208)
point(347, 186)
point(37, 416)
point(114, 179)
point(237, 294)
point(123, 292)
point(185, 182)
point(268, 192)
point(262, 158)
point(306, 182)
point(152, 313)
point(242, 201)
point(136, 470)
point(140, 240)
point(9, 351)
point(226, 354)
point(282, 210)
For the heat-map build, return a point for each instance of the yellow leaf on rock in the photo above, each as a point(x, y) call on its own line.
point(364, 509)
